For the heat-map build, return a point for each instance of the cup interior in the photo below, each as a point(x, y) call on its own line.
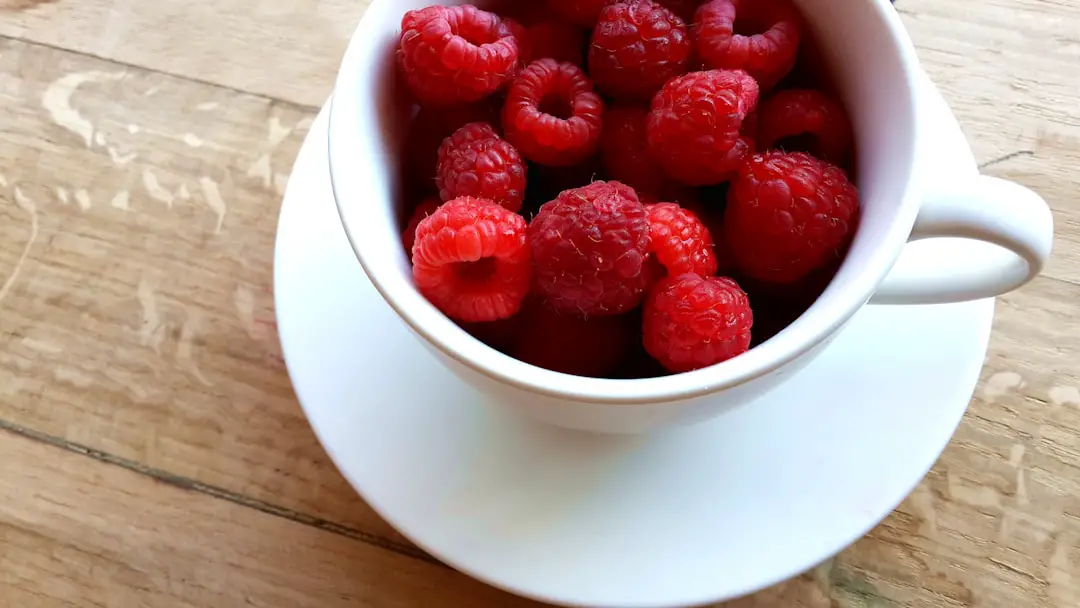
point(874, 66)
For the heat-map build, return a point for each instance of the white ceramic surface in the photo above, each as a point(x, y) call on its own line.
point(877, 69)
point(682, 517)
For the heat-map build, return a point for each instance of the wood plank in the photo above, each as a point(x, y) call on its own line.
point(996, 524)
point(1011, 71)
point(285, 49)
point(137, 221)
point(77, 532)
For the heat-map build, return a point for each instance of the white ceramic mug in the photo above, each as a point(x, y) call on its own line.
point(878, 75)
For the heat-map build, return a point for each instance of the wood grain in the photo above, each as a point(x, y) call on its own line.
point(283, 49)
point(76, 532)
point(1011, 71)
point(996, 524)
point(137, 221)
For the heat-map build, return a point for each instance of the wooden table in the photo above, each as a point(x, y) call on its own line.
point(152, 451)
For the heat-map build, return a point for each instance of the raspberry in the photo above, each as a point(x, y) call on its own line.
point(680, 241)
point(433, 125)
point(802, 120)
point(589, 247)
point(471, 260)
point(625, 152)
point(476, 162)
point(692, 322)
point(426, 208)
point(579, 12)
point(568, 344)
point(552, 115)
point(759, 36)
point(456, 54)
point(555, 40)
point(637, 46)
point(694, 125)
point(788, 215)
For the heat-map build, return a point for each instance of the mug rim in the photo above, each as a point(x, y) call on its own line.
point(810, 330)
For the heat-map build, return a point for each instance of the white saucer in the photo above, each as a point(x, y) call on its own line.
point(685, 517)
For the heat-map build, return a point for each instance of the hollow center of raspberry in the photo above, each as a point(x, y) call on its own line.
point(750, 25)
point(479, 271)
point(473, 33)
point(803, 142)
point(557, 105)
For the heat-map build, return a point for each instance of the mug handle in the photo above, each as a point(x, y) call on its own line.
point(982, 208)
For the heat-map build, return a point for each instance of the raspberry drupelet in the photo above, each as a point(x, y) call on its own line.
point(589, 249)
point(426, 208)
point(456, 54)
point(693, 322)
point(471, 260)
point(552, 114)
point(804, 120)
point(758, 36)
point(681, 243)
point(476, 162)
point(695, 125)
point(788, 215)
point(636, 47)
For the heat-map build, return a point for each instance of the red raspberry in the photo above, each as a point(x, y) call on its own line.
point(555, 40)
point(471, 260)
point(456, 54)
point(694, 126)
point(476, 162)
point(637, 46)
point(579, 12)
point(759, 36)
point(803, 120)
point(693, 322)
point(788, 215)
point(552, 114)
point(589, 247)
point(426, 208)
point(593, 347)
point(433, 125)
point(624, 149)
point(680, 241)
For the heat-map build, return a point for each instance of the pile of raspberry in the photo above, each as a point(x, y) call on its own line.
point(623, 188)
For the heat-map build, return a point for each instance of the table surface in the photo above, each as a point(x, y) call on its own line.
point(152, 450)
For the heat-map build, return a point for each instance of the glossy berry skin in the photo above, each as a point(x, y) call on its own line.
point(813, 117)
point(680, 241)
point(471, 260)
point(759, 36)
point(788, 215)
point(552, 115)
point(456, 54)
point(695, 123)
point(569, 344)
point(636, 47)
point(589, 249)
point(625, 152)
point(476, 162)
point(693, 322)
